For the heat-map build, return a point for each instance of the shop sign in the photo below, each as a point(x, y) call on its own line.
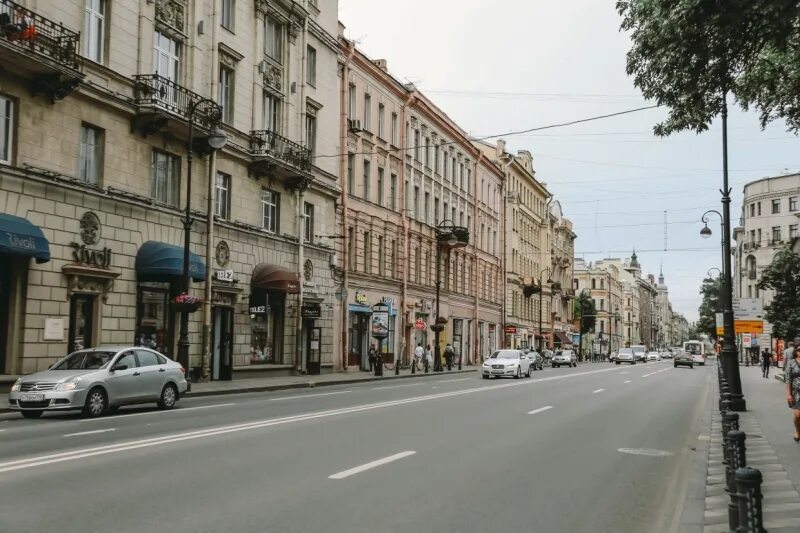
point(224, 275)
point(258, 310)
point(748, 326)
point(511, 329)
point(380, 321)
point(420, 324)
point(747, 340)
point(388, 300)
point(361, 297)
point(86, 256)
point(310, 311)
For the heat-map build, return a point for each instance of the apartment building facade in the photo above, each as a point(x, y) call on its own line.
point(97, 105)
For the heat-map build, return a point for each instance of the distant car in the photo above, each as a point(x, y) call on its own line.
point(100, 379)
point(507, 363)
point(682, 358)
point(653, 356)
point(639, 353)
point(625, 355)
point(564, 357)
point(612, 357)
point(537, 360)
point(665, 354)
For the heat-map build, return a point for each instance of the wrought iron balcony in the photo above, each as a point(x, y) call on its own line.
point(159, 99)
point(267, 146)
point(43, 49)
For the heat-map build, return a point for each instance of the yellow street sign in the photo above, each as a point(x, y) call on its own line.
point(748, 326)
point(720, 331)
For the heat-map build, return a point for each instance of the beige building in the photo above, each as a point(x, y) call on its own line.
point(562, 293)
point(602, 281)
point(408, 168)
point(95, 108)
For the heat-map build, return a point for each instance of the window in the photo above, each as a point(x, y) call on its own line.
point(793, 231)
point(445, 159)
point(394, 129)
point(416, 212)
point(225, 97)
point(759, 235)
point(367, 253)
point(752, 210)
point(351, 109)
point(6, 128)
point(792, 204)
point(222, 196)
point(752, 236)
point(351, 246)
point(776, 206)
point(227, 16)
point(351, 174)
point(165, 58)
point(272, 112)
point(380, 256)
point(308, 218)
point(759, 208)
point(367, 113)
point(94, 30)
point(428, 152)
point(417, 146)
point(427, 207)
point(147, 358)
point(270, 206)
point(393, 186)
point(436, 158)
point(436, 211)
point(164, 177)
point(380, 186)
point(469, 178)
point(91, 156)
point(311, 132)
point(273, 39)
point(311, 65)
point(381, 113)
point(776, 234)
point(366, 179)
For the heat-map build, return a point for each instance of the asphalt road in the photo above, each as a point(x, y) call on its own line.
point(456, 454)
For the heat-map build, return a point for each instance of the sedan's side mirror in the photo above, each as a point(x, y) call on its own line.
point(119, 367)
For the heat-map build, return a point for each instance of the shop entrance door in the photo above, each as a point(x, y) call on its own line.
point(222, 344)
point(359, 325)
point(313, 353)
point(81, 320)
point(5, 295)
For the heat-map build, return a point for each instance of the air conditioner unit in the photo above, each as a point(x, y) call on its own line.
point(354, 125)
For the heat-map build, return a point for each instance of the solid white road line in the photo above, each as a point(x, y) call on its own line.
point(540, 410)
point(397, 386)
point(598, 390)
point(308, 395)
point(89, 432)
point(452, 380)
point(178, 410)
point(628, 381)
point(623, 373)
point(373, 464)
point(82, 453)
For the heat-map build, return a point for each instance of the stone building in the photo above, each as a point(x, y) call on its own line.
point(601, 280)
point(562, 293)
point(408, 168)
point(96, 110)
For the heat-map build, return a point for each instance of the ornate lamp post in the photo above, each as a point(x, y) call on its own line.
point(448, 236)
point(210, 115)
point(541, 298)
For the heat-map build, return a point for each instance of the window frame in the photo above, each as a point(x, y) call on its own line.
point(94, 43)
point(381, 120)
point(393, 140)
point(7, 127)
point(226, 204)
point(311, 133)
point(174, 174)
point(228, 11)
point(393, 185)
point(98, 154)
point(271, 105)
point(367, 126)
point(273, 203)
point(776, 206)
point(308, 222)
point(367, 171)
point(792, 204)
point(225, 92)
point(311, 65)
point(276, 38)
point(381, 185)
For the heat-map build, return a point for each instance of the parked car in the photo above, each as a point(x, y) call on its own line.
point(666, 354)
point(612, 357)
point(683, 359)
point(507, 363)
point(639, 353)
point(564, 357)
point(625, 355)
point(100, 379)
point(653, 356)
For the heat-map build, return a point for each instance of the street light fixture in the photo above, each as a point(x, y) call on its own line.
point(448, 236)
point(210, 113)
point(541, 298)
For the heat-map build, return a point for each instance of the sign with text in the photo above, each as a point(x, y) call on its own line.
point(380, 321)
point(224, 275)
point(748, 326)
point(361, 297)
point(720, 327)
point(748, 309)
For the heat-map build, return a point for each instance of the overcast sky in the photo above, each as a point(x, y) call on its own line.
point(516, 64)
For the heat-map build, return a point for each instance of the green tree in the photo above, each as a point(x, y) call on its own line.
point(783, 277)
point(710, 291)
point(687, 54)
point(585, 312)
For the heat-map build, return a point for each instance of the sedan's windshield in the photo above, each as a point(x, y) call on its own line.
point(625, 351)
point(84, 361)
point(505, 354)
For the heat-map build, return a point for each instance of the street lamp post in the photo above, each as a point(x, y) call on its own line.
point(541, 298)
point(448, 236)
point(211, 114)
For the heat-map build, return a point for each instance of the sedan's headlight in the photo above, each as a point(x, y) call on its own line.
point(513, 365)
point(16, 386)
point(70, 384)
point(486, 363)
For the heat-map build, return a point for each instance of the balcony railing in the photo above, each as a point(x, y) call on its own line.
point(158, 92)
point(266, 143)
point(34, 33)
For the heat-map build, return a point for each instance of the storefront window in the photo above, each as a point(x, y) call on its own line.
point(387, 344)
point(266, 327)
point(154, 324)
point(458, 332)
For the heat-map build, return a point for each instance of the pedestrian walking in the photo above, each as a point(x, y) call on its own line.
point(449, 355)
point(792, 379)
point(766, 360)
point(372, 354)
point(428, 358)
point(419, 353)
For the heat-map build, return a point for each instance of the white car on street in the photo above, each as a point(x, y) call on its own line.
point(507, 363)
point(639, 353)
point(625, 355)
point(653, 356)
point(564, 357)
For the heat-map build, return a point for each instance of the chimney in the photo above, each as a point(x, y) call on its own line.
point(381, 64)
point(500, 149)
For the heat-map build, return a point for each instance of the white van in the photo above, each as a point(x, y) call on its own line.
point(639, 352)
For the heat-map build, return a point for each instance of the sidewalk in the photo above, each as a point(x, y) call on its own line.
point(770, 448)
point(263, 384)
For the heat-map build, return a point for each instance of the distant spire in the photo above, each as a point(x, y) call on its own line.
point(661, 273)
point(634, 259)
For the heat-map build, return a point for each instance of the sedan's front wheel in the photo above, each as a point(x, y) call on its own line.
point(96, 403)
point(169, 395)
point(518, 374)
point(528, 373)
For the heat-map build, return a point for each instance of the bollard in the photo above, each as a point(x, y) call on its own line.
point(751, 517)
point(397, 367)
point(723, 397)
point(734, 442)
point(414, 366)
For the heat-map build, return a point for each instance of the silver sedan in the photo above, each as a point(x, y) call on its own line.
point(509, 363)
point(97, 380)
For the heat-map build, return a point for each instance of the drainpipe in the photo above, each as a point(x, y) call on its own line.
point(343, 174)
point(475, 340)
point(504, 247)
point(405, 328)
point(212, 171)
point(299, 361)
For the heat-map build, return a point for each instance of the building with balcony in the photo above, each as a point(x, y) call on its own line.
point(98, 101)
point(601, 280)
point(562, 293)
point(407, 169)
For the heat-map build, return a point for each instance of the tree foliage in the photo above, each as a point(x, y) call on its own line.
point(710, 291)
point(585, 311)
point(687, 54)
point(783, 277)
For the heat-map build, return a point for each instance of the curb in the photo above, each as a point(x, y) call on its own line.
point(307, 385)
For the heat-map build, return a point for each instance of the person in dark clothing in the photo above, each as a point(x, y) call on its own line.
point(449, 355)
point(373, 358)
point(766, 360)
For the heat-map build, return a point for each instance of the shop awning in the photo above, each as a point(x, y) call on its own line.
point(562, 338)
point(159, 261)
point(19, 237)
point(275, 277)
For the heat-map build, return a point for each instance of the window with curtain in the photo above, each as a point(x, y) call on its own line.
point(164, 177)
point(91, 155)
point(94, 30)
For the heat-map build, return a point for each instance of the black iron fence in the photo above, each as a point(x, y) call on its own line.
point(155, 91)
point(34, 33)
point(269, 143)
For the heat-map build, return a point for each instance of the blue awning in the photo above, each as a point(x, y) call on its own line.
point(18, 236)
point(159, 261)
